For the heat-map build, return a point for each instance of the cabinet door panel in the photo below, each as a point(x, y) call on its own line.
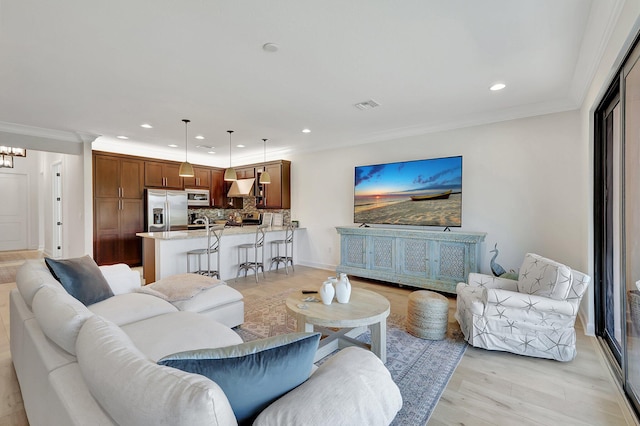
point(451, 262)
point(354, 252)
point(218, 196)
point(107, 231)
point(382, 253)
point(107, 212)
point(172, 178)
point(273, 191)
point(415, 258)
point(107, 249)
point(131, 175)
point(153, 174)
point(106, 176)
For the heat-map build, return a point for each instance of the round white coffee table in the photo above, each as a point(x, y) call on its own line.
point(365, 308)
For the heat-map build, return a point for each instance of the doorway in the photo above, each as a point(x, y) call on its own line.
point(14, 211)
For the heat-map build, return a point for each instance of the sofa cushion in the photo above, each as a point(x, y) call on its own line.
point(121, 278)
point(31, 276)
point(544, 277)
point(174, 332)
point(254, 374)
point(131, 307)
point(60, 316)
point(81, 277)
point(351, 388)
point(210, 299)
point(136, 391)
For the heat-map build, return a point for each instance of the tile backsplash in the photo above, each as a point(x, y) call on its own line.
point(249, 206)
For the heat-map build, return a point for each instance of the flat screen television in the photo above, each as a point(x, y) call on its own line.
point(421, 192)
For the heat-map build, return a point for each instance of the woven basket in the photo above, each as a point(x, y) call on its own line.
point(427, 315)
point(633, 297)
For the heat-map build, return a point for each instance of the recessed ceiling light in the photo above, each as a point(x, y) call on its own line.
point(146, 126)
point(497, 86)
point(306, 131)
point(122, 137)
point(173, 145)
point(239, 146)
point(270, 47)
point(211, 152)
point(200, 137)
point(205, 146)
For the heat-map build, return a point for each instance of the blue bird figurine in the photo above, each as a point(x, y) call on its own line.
point(495, 268)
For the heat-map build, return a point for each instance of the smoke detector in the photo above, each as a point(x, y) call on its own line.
point(370, 104)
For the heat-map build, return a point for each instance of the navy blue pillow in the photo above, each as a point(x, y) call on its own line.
point(253, 374)
point(82, 279)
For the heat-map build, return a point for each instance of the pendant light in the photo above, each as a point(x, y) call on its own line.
point(264, 177)
point(186, 169)
point(230, 173)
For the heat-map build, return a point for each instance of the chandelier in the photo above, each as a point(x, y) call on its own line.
point(7, 153)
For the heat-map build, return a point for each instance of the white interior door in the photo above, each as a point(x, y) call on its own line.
point(13, 212)
point(56, 173)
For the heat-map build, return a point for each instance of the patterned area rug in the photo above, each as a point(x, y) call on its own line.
point(420, 368)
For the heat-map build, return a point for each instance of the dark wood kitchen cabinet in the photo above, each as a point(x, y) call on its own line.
point(245, 172)
point(218, 193)
point(200, 180)
point(118, 209)
point(162, 175)
point(277, 194)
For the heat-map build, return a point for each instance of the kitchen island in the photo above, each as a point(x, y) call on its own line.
point(165, 253)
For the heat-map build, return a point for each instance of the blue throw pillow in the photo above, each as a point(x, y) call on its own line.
point(253, 374)
point(82, 279)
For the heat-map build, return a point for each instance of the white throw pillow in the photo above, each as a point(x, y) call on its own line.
point(60, 316)
point(136, 391)
point(121, 278)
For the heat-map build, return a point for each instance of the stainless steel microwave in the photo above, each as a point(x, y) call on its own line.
point(198, 197)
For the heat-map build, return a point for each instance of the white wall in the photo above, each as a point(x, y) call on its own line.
point(523, 184)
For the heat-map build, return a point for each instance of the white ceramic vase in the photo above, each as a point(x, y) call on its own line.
point(343, 289)
point(327, 292)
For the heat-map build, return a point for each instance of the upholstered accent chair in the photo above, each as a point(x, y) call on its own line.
point(534, 315)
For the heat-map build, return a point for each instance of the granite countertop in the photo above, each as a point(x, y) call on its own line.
point(201, 233)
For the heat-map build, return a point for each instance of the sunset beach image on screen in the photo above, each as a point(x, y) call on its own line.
point(420, 192)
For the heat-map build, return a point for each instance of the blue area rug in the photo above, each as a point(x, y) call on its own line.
point(421, 368)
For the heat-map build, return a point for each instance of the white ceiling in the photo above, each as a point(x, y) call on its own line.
point(106, 67)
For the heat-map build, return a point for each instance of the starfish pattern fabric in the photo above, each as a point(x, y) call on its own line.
point(527, 318)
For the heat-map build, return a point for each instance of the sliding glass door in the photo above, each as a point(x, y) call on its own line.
point(631, 219)
point(617, 224)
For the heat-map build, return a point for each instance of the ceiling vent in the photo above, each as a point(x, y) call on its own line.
point(370, 104)
point(204, 146)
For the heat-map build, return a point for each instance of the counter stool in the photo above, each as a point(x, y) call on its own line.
point(258, 245)
point(288, 251)
point(214, 233)
point(427, 315)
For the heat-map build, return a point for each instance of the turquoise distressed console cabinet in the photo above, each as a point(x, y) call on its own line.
point(432, 260)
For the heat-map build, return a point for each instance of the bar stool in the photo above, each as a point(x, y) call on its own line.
point(214, 233)
point(288, 251)
point(257, 245)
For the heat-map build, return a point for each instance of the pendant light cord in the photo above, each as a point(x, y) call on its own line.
point(229, 131)
point(186, 123)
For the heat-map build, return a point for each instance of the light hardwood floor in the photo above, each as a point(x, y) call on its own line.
point(487, 388)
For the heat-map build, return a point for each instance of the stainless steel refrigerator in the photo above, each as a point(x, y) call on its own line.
point(166, 210)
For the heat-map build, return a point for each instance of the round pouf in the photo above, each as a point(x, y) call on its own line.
point(427, 315)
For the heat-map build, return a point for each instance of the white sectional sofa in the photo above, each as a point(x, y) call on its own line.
point(97, 364)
